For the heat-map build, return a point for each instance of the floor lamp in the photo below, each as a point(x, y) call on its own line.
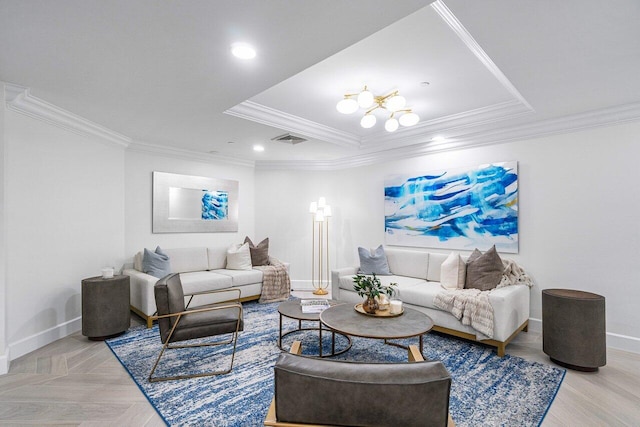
point(320, 214)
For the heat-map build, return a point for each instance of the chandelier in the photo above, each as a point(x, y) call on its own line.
point(393, 102)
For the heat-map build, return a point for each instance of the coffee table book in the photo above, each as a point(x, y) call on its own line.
point(314, 305)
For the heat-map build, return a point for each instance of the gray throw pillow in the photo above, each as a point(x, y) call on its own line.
point(156, 263)
point(259, 253)
point(484, 271)
point(375, 262)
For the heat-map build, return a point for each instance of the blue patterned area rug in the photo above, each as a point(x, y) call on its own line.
point(487, 390)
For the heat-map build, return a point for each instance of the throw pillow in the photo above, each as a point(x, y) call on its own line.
point(474, 255)
point(375, 262)
point(156, 263)
point(485, 271)
point(239, 257)
point(259, 253)
point(453, 272)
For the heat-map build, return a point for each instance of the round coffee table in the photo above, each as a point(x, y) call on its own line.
point(346, 320)
point(293, 310)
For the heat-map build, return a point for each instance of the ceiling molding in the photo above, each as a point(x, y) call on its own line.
point(20, 100)
point(441, 125)
point(162, 150)
point(259, 113)
point(568, 124)
point(456, 26)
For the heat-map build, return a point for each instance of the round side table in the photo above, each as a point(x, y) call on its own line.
point(573, 328)
point(105, 307)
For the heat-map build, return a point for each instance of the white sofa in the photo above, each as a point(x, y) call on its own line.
point(202, 269)
point(417, 274)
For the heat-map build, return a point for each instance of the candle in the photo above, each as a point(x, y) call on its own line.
point(395, 306)
point(107, 273)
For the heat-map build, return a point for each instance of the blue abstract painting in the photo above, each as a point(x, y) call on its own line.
point(454, 209)
point(215, 205)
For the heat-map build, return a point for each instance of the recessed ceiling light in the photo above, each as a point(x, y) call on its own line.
point(258, 148)
point(243, 51)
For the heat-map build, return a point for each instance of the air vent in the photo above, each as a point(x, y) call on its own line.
point(289, 139)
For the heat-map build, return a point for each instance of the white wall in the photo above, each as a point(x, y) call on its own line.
point(64, 216)
point(4, 356)
point(139, 167)
point(578, 206)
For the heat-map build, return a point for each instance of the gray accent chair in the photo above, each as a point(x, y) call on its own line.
point(321, 392)
point(178, 323)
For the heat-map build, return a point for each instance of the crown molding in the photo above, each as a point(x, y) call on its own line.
point(20, 100)
point(259, 113)
point(456, 26)
point(568, 124)
point(454, 122)
point(145, 147)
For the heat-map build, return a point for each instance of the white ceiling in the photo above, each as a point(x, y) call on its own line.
point(160, 73)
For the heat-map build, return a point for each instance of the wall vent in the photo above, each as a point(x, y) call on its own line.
point(289, 139)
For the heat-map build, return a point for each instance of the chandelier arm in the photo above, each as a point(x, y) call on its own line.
point(371, 110)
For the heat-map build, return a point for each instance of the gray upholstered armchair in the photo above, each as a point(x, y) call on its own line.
point(177, 323)
point(321, 392)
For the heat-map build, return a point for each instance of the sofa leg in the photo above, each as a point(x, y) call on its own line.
point(501, 350)
point(149, 321)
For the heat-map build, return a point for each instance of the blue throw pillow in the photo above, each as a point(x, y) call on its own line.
point(375, 262)
point(156, 263)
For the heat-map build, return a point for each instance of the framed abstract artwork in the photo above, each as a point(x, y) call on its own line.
point(454, 209)
point(193, 204)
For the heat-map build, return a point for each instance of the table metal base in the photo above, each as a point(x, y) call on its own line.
point(320, 329)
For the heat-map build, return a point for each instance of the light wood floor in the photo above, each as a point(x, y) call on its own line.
point(77, 382)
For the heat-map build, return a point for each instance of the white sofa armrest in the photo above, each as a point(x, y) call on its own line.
point(335, 278)
point(141, 286)
point(510, 309)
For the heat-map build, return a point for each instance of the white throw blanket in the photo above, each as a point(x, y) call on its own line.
point(513, 275)
point(276, 285)
point(472, 306)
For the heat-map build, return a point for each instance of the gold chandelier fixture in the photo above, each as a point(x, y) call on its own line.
point(393, 102)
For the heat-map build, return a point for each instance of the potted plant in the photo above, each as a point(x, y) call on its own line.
point(370, 287)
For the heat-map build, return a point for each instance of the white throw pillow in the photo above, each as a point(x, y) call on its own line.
point(453, 272)
point(239, 257)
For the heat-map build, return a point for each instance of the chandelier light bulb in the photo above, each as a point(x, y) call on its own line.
point(322, 202)
point(365, 99)
point(327, 211)
point(409, 119)
point(396, 103)
point(319, 216)
point(347, 106)
point(313, 207)
point(368, 121)
point(391, 125)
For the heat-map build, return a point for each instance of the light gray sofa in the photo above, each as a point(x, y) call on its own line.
point(417, 274)
point(201, 269)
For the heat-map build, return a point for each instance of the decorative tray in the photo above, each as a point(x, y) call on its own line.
point(379, 313)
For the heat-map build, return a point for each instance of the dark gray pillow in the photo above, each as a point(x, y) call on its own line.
point(484, 271)
point(259, 253)
point(156, 263)
point(375, 262)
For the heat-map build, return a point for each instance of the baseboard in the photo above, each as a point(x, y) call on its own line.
point(617, 341)
point(39, 340)
point(4, 362)
point(623, 342)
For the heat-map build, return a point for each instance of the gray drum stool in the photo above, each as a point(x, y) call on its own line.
point(573, 328)
point(105, 307)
